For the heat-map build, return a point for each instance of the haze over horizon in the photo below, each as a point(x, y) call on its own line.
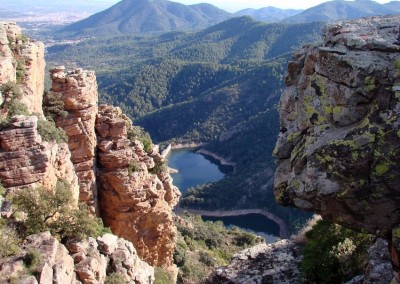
point(257, 4)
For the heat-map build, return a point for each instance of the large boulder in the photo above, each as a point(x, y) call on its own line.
point(339, 143)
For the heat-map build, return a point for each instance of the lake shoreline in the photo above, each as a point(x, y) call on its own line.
point(220, 159)
point(283, 231)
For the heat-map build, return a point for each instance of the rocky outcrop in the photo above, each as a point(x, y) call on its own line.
point(338, 149)
point(78, 91)
point(265, 263)
point(22, 61)
point(136, 192)
point(378, 268)
point(41, 256)
point(43, 259)
point(8, 65)
point(27, 161)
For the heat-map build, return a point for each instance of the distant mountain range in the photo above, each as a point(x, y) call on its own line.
point(139, 16)
point(268, 14)
point(341, 9)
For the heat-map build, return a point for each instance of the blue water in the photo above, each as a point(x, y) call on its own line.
point(194, 169)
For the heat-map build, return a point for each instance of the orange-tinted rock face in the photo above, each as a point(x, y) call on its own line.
point(134, 202)
point(22, 61)
point(78, 90)
point(27, 161)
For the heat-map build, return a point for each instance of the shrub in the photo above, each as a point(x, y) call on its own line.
point(21, 71)
point(133, 167)
point(11, 89)
point(245, 239)
point(162, 276)
point(50, 132)
point(115, 278)
point(159, 168)
point(9, 240)
point(48, 210)
point(333, 254)
point(15, 107)
point(138, 133)
point(180, 256)
point(33, 261)
point(53, 106)
point(206, 258)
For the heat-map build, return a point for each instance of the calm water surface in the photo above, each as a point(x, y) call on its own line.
point(195, 169)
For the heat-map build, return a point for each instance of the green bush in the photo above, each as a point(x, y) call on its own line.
point(11, 89)
point(180, 255)
point(48, 210)
point(162, 276)
point(133, 167)
point(333, 254)
point(33, 261)
point(246, 239)
point(21, 71)
point(9, 240)
point(138, 133)
point(50, 132)
point(115, 278)
point(53, 106)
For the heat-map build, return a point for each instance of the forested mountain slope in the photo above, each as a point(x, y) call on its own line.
point(137, 16)
point(219, 85)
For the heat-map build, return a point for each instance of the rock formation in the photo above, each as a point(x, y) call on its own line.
point(27, 161)
point(22, 61)
point(136, 192)
point(338, 149)
point(78, 91)
point(265, 263)
point(85, 262)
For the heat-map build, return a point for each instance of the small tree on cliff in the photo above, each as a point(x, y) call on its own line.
point(47, 210)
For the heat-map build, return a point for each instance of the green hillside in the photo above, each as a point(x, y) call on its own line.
point(219, 85)
point(139, 16)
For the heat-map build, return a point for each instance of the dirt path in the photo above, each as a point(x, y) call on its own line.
point(283, 232)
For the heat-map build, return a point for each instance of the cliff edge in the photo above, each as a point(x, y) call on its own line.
point(339, 142)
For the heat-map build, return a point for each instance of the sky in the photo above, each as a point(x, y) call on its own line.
point(236, 5)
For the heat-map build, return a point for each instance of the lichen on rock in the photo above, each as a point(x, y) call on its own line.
point(338, 145)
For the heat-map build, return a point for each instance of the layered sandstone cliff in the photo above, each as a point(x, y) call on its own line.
point(78, 92)
point(136, 191)
point(22, 61)
point(137, 196)
point(339, 144)
point(27, 161)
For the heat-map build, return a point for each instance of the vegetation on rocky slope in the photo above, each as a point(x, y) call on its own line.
point(333, 254)
point(204, 245)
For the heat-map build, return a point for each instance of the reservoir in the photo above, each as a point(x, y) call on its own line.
point(195, 169)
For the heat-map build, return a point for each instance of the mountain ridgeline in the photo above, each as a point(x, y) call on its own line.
point(218, 86)
point(341, 9)
point(138, 16)
point(157, 16)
